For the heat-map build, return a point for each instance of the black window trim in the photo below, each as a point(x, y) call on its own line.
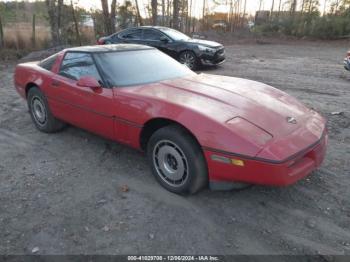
point(155, 30)
point(54, 56)
point(142, 29)
point(172, 40)
point(131, 29)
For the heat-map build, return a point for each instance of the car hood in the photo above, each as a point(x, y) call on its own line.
point(222, 98)
point(204, 42)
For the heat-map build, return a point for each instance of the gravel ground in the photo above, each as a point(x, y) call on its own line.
point(75, 193)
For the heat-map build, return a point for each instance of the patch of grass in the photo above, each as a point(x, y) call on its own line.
point(18, 39)
point(12, 54)
point(19, 36)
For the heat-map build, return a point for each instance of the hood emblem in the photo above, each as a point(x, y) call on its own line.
point(291, 120)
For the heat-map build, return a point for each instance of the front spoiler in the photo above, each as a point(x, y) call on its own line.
point(223, 176)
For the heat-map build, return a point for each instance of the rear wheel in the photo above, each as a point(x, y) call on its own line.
point(177, 160)
point(189, 59)
point(40, 112)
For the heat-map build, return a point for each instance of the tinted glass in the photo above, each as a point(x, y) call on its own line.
point(48, 62)
point(115, 36)
point(139, 67)
point(76, 65)
point(149, 34)
point(131, 34)
point(176, 35)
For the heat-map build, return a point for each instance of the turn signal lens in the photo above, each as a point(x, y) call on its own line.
point(222, 159)
point(237, 162)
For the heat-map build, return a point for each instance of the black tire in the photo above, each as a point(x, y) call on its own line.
point(46, 122)
point(174, 142)
point(189, 58)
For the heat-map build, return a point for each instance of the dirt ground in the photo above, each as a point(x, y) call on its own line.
point(63, 193)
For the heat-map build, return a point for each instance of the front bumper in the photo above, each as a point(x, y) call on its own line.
point(212, 63)
point(216, 58)
point(263, 172)
point(347, 63)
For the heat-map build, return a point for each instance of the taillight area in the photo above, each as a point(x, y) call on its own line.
point(100, 42)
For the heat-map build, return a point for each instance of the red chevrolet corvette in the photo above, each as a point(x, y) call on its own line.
point(194, 128)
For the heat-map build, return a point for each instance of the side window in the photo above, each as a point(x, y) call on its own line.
point(48, 62)
point(76, 65)
point(149, 34)
point(131, 34)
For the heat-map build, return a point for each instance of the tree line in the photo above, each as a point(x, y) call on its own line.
point(289, 17)
point(302, 18)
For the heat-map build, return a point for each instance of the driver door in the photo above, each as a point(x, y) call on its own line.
point(88, 108)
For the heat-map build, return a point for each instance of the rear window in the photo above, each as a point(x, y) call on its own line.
point(48, 62)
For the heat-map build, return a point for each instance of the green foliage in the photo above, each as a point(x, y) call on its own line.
point(17, 22)
point(22, 11)
point(332, 27)
point(309, 24)
point(125, 14)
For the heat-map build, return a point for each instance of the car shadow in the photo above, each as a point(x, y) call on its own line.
point(113, 155)
point(101, 152)
point(207, 68)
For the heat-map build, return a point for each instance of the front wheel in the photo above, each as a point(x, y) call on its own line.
point(177, 160)
point(189, 59)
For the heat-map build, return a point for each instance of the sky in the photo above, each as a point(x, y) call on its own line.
point(252, 5)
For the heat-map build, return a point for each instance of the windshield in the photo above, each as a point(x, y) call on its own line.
point(139, 67)
point(175, 35)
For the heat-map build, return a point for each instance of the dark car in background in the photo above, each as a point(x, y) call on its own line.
point(347, 61)
point(188, 51)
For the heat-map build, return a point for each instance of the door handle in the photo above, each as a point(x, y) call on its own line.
point(55, 83)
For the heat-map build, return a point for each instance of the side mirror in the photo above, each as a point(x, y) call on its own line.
point(164, 39)
point(88, 81)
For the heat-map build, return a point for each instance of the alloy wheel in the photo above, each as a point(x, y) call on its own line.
point(38, 110)
point(188, 59)
point(170, 163)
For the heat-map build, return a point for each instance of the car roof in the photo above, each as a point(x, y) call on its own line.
point(147, 27)
point(153, 26)
point(108, 48)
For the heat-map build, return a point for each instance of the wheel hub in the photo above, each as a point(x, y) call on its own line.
point(188, 60)
point(39, 111)
point(170, 163)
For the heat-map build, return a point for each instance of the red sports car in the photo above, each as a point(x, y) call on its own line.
point(195, 129)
